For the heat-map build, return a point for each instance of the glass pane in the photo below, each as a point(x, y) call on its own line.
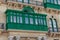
point(26, 1)
point(31, 20)
point(52, 1)
point(19, 0)
point(50, 29)
point(55, 1)
point(14, 17)
point(26, 20)
point(54, 23)
point(20, 20)
point(59, 2)
point(11, 18)
point(41, 21)
point(48, 1)
point(55, 30)
point(17, 19)
point(50, 23)
point(36, 21)
point(44, 22)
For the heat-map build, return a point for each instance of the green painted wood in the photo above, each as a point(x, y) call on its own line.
point(23, 25)
point(51, 5)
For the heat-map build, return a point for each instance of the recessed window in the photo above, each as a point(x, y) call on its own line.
point(53, 25)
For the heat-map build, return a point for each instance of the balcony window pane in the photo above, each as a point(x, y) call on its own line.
point(26, 20)
point(20, 19)
point(17, 19)
point(55, 1)
point(36, 21)
point(59, 2)
point(52, 1)
point(19, 0)
point(48, 1)
point(11, 18)
point(31, 20)
point(44, 22)
point(14, 17)
point(41, 21)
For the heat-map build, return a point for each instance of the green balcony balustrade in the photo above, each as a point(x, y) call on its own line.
point(55, 4)
point(26, 19)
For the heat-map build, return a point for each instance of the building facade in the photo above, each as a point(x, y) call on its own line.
point(29, 20)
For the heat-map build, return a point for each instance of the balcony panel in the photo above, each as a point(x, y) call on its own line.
point(26, 27)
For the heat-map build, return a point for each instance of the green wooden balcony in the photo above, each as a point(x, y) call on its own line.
point(55, 4)
point(26, 20)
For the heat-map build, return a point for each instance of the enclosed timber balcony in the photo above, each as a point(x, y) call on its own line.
point(55, 4)
point(26, 19)
point(33, 2)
